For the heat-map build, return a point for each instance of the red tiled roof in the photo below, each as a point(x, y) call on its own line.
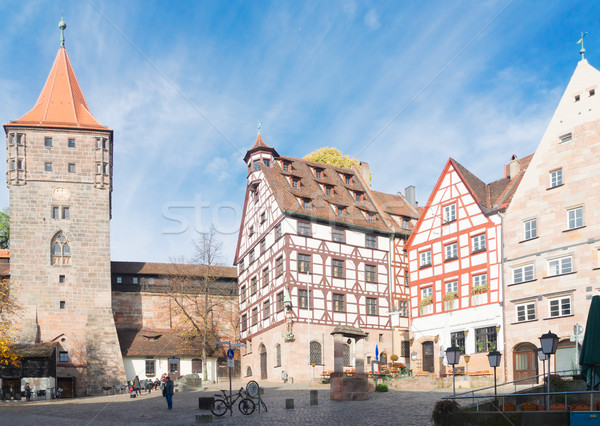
point(258, 146)
point(165, 269)
point(61, 102)
point(163, 343)
point(322, 205)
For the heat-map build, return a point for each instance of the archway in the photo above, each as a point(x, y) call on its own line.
point(263, 361)
point(525, 362)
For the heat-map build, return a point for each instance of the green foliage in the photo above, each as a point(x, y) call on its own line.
point(450, 296)
point(427, 300)
point(331, 156)
point(442, 410)
point(394, 357)
point(381, 387)
point(4, 229)
point(479, 289)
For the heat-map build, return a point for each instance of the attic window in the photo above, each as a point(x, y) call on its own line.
point(267, 162)
point(318, 173)
point(256, 165)
point(405, 223)
point(295, 183)
point(153, 338)
point(577, 98)
point(340, 211)
point(305, 203)
point(566, 138)
point(348, 179)
point(592, 92)
point(358, 196)
point(328, 190)
point(371, 217)
point(286, 167)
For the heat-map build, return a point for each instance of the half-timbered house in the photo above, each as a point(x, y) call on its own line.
point(455, 256)
point(317, 248)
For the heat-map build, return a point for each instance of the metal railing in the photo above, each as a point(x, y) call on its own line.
point(486, 395)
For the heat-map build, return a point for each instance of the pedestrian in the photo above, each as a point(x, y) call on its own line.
point(27, 392)
point(136, 386)
point(168, 392)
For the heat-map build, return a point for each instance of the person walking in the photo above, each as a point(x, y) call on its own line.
point(168, 392)
point(136, 386)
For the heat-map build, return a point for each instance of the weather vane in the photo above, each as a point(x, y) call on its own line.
point(580, 41)
point(259, 124)
point(62, 25)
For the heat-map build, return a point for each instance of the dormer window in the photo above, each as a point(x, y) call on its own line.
point(328, 190)
point(348, 179)
point(295, 183)
point(267, 162)
point(305, 203)
point(340, 210)
point(358, 196)
point(286, 167)
point(577, 98)
point(371, 217)
point(405, 223)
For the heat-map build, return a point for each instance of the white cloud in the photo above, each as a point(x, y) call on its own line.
point(372, 19)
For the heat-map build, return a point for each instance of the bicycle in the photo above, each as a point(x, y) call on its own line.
point(223, 403)
point(57, 394)
point(253, 390)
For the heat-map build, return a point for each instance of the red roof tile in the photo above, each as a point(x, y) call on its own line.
point(165, 269)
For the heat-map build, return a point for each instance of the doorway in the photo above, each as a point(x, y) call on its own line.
point(173, 368)
point(525, 363)
point(428, 356)
point(67, 384)
point(263, 361)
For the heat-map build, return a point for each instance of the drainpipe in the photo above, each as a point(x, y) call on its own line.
point(390, 284)
point(501, 289)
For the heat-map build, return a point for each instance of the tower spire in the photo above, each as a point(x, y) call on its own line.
point(62, 25)
point(582, 50)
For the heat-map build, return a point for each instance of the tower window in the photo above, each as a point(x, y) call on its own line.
point(48, 167)
point(71, 143)
point(19, 164)
point(65, 213)
point(104, 168)
point(12, 164)
point(62, 304)
point(577, 98)
point(71, 167)
point(55, 212)
point(119, 279)
point(592, 92)
point(61, 279)
point(48, 142)
point(60, 250)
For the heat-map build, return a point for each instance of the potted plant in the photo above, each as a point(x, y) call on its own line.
point(479, 289)
point(449, 299)
point(427, 300)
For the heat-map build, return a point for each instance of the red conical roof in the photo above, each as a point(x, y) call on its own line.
point(61, 103)
point(260, 145)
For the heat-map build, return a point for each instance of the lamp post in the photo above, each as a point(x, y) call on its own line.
point(494, 358)
point(549, 343)
point(467, 359)
point(453, 356)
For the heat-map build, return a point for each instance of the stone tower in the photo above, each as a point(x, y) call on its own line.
point(59, 175)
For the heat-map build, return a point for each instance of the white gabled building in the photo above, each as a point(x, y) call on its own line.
point(455, 256)
point(316, 250)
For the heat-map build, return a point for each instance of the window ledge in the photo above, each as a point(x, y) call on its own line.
point(448, 222)
point(478, 251)
point(559, 275)
point(596, 269)
point(574, 229)
point(522, 322)
point(425, 266)
point(522, 282)
point(556, 186)
point(450, 259)
point(529, 239)
point(560, 316)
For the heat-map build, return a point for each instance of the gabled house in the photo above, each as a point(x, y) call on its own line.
point(317, 248)
point(455, 255)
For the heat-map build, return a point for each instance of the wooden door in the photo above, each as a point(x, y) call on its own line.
point(263, 362)
point(525, 363)
point(174, 368)
point(428, 356)
point(67, 384)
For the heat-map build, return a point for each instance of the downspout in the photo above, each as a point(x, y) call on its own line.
point(390, 283)
point(501, 288)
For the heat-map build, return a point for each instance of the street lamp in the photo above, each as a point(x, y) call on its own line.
point(467, 359)
point(542, 356)
point(453, 356)
point(494, 358)
point(549, 343)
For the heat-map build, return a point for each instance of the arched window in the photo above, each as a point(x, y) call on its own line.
point(60, 250)
point(346, 353)
point(248, 372)
point(315, 353)
point(278, 355)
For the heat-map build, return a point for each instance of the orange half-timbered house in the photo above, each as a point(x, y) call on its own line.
point(317, 248)
point(455, 258)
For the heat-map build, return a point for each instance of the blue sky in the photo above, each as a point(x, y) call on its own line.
point(400, 85)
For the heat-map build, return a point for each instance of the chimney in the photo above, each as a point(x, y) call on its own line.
point(411, 195)
point(365, 172)
point(515, 166)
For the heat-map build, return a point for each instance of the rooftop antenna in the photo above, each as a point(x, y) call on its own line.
point(62, 25)
point(259, 124)
point(580, 41)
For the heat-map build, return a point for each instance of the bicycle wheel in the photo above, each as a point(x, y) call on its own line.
point(246, 406)
point(263, 406)
point(218, 407)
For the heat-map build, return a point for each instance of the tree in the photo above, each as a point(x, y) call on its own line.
point(332, 156)
point(4, 229)
point(9, 310)
point(203, 304)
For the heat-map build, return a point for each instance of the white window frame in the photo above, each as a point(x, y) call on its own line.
point(450, 213)
point(451, 251)
point(427, 291)
point(526, 313)
point(452, 286)
point(575, 217)
point(560, 266)
point(556, 178)
point(530, 229)
point(560, 305)
point(478, 242)
point(425, 257)
point(479, 280)
point(524, 271)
